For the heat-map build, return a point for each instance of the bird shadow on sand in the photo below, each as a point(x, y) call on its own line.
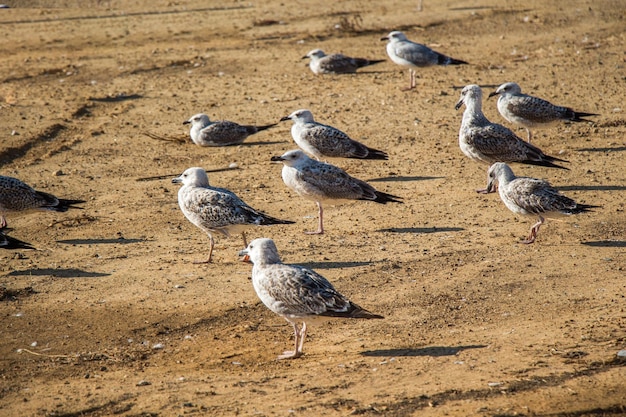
point(332, 265)
point(616, 149)
point(403, 179)
point(116, 241)
point(434, 351)
point(434, 229)
point(606, 243)
point(59, 273)
point(592, 188)
point(274, 142)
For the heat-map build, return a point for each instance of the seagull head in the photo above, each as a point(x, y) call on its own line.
point(470, 94)
point(395, 36)
point(495, 172)
point(315, 53)
point(291, 158)
point(506, 88)
point(198, 119)
point(261, 251)
point(300, 116)
point(195, 177)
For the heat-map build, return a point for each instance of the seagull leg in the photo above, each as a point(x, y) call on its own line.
point(530, 135)
point(320, 226)
point(411, 80)
point(210, 252)
point(302, 336)
point(292, 354)
point(3, 222)
point(533, 231)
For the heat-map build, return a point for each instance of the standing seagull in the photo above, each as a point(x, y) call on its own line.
point(488, 142)
point(296, 293)
point(326, 141)
point(529, 111)
point(531, 197)
point(321, 182)
point(414, 55)
point(217, 210)
point(336, 63)
point(17, 196)
point(221, 132)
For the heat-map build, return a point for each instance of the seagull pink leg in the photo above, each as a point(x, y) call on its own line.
point(533, 231)
point(292, 354)
point(210, 252)
point(3, 222)
point(320, 225)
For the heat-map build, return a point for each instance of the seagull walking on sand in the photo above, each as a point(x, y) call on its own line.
point(414, 55)
point(531, 197)
point(487, 142)
point(532, 112)
point(322, 182)
point(204, 132)
point(296, 293)
point(336, 63)
point(217, 210)
point(17, 196)
point(322, 141)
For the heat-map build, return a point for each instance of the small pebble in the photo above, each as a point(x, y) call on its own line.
point(143, 383)
point(622, 353)
point(158, 346)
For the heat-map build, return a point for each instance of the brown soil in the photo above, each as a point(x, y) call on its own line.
point(475, 323)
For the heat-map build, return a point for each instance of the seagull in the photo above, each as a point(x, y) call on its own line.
point(17, 196)
point(221, 132)
point(217, 210)
point(531, 197)
point(8, 242)
point(296, 293)
point(529, 111)
point(322, 140)
point(414, 55)
point(322, 182)
point(487, 142)
point(336, 63)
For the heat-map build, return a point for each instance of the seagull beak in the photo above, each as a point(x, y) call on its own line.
point(277, 159)
point(495, 93)
point(186, 122)
point(491, 186)
point(458, 105)
point(245, 256)
point(305, 57)
point(177, 180)
point(284, 119)
point(384, 38)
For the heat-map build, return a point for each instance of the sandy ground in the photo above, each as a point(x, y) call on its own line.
point(109, 316)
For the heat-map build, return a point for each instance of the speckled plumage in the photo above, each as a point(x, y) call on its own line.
point(204, 132)
point(336, 63)
point(17, 196)
point(532, 112)
point(295, 292)
point(322, 182)
point(487, 142)
point(322, 141)
point(217, 210)
point(414, 55)
point(531, 197)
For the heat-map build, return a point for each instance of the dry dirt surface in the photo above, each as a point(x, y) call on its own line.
point(110, 316)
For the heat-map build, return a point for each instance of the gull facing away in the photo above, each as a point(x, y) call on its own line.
point(414, 55)
point(204, 132)
point(487, 142)
point(8, 242)
point(322, 182)
point(531, 197)
point(336, 63)
point(532, 112)
point(217, 210)
point(17, 196)
point(322, 140)
point(296, 293)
